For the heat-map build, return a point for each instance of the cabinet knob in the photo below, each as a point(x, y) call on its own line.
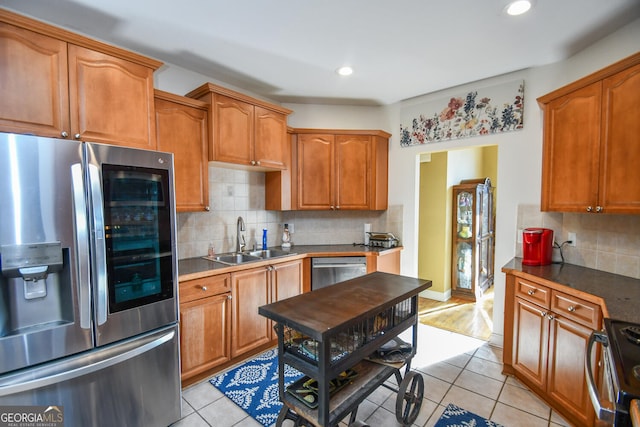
point(589, 208)
point(551, 316)
point(64, 134)
point(229, 296)
point(76, 136)
point(598, 209)
point(253, 162)
point(337, 207)
point(333, 207)
point(204, 288)
point(530, 292)
point(571, 308)
point(258, 163)
point(543, 314)
point(207, 208)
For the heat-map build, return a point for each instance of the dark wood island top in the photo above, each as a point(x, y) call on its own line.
point(317, 313)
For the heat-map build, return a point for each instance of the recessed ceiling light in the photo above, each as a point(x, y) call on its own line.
point(345, 71)
point(518, 7)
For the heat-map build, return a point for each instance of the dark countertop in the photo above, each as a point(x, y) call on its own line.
point(620, 294)
point(193, 268)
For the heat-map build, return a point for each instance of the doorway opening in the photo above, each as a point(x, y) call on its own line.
point(439, 172)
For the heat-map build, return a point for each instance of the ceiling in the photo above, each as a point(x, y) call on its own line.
point(288, 50)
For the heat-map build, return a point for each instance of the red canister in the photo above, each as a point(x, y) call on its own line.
point(537, 246)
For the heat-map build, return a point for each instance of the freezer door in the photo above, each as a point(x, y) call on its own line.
point(45, 297)
point(133, 240)
point(133, 383)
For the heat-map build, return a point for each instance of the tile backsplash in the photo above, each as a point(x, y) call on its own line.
point(603, 242)
point(234, 193)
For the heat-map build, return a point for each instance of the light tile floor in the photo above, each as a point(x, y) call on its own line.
point(456, 369)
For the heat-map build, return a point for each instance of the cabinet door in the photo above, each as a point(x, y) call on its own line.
point(567, 382)
point(571, 150)
point(34, 91)
point(250, 290)
point(353, 171)
point(315, 176)
point(182, 130)
point(286, 280)
point(204, 334)
point(111, 99)
point(620, 153)
point(271, 144)
point(530, 342)
point(233, 130)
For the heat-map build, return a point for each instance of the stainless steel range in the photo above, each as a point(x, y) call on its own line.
point(621, 379)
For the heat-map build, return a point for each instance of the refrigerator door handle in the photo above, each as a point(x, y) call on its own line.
point(100, 258)
point(82, 246)
point(83, 364)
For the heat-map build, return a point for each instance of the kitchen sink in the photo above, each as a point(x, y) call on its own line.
point(234, 258)
point(241, 258)
point(271, 253)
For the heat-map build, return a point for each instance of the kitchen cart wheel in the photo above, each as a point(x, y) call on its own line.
point(409, 399)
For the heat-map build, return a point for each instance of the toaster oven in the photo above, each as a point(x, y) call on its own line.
point(382, 240)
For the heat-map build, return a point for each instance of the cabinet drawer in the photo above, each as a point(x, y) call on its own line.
point(207, 286)
point(583, 312)
point(533, 292)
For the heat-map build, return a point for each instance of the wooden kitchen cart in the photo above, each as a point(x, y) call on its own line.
point(332, 331)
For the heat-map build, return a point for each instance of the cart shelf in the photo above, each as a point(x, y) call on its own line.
point(370, 376)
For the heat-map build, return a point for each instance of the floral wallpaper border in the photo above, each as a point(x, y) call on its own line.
point(484, 111)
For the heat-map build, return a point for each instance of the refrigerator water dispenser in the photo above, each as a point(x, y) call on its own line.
point(32, 262)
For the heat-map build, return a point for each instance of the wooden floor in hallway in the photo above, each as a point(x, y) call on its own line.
point(471, 318)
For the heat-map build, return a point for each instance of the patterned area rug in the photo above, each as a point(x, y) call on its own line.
point(253, 386)
point(454, 416)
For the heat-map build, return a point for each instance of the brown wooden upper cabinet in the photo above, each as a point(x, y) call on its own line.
point(333, 170)
point(591, 146)
point(59, 84)
point(245, 131)
point(182, 129)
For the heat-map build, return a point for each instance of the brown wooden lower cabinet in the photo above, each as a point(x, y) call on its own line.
point(219, 320)
point(254, 288)
point(219, 317)
point(205, 320)
point(250, 290)
point(387, 263)
point(550, 330)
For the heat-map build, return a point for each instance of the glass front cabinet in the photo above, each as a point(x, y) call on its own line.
point(473, 238)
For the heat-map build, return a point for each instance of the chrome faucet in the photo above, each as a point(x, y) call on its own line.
point(240, 243)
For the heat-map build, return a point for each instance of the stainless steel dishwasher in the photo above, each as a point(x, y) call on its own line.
point(331, 270)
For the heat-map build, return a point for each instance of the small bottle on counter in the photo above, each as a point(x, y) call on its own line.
point(286, 237)
point(264, 239)
point(211, 252)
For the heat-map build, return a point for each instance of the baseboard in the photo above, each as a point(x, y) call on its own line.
point(496, 340)
point(437, 296)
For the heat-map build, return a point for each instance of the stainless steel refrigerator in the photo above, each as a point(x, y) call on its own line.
point(88, 282)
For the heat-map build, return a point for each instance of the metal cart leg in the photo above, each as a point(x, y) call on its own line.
point(409, 399)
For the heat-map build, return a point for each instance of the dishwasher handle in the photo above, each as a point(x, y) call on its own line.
point(340, 265)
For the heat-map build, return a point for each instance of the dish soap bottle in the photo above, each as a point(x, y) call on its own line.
point(286, 237)
point(264, 239)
